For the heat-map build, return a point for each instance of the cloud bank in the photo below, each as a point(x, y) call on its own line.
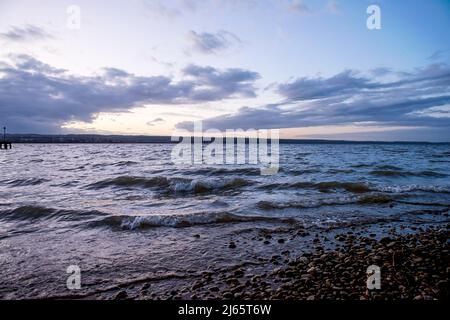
point(36, 97)
point(417, 99)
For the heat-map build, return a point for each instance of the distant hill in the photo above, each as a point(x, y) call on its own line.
point(84, 138)
point(98, 138)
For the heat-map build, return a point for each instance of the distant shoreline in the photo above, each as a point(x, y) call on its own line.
point(123, 139)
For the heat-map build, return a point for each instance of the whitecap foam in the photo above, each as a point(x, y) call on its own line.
point(412, 188)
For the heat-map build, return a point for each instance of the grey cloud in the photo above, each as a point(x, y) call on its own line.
point(211, 43)
point(348, 98)
point(170, 9)
point(26, 33)
point(35, 97)
point(159, 8)
point(151, 123)
point(305, 88)
point(27, 63)
point(437, 55)
point(298, 6)
point(115, 73)
point(381, 71)
point(350, 83)
point(220, 84)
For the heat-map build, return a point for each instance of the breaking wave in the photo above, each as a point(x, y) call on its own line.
point(174, 185)
point(182, 221)
point(365, 199)
point(412, 188)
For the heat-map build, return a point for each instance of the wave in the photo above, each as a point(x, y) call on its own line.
point(26, 213)
point(130, 181)
point(389, 167)
point(125, 163)
point(412, 188)
point(375, 199)
point(182, 221)
point(201, 186)
point(439, 161)
point(247, 171)
point(400, 173)
point(24, 182)
point(366, 199)
point(32, 212)
point(441, 155)
point(72, 169)
point(355, 187)
point(395, 150)
point(362, 165)
point(173, 185)
point(299, 172)
point(337, 171)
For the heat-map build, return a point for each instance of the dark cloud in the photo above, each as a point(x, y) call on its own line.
point(35, 97)
point(211, 43)
point(26, 33)
point(306, 88)
point(213, 84)
point(151, 123)
point(418, 98)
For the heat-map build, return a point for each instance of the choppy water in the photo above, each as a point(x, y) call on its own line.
point(125, 212)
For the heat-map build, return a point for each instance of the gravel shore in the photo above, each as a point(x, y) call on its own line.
point(414, 266)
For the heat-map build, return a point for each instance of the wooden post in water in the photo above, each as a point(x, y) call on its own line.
point(5, 144)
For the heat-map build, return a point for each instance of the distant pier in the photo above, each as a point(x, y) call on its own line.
point(5, 145)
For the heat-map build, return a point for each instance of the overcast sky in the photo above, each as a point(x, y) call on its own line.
point(311, 68)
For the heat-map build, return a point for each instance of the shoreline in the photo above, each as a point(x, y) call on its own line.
point(414, 266)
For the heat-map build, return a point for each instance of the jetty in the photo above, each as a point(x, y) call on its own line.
point(4, 145)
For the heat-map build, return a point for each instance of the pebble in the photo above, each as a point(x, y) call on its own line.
point(413, 268)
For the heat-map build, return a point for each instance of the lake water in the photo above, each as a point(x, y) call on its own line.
point(124, 213)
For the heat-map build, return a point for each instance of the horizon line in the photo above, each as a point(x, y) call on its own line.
point(282, 140)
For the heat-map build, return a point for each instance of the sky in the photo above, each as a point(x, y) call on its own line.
point(311, 68)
